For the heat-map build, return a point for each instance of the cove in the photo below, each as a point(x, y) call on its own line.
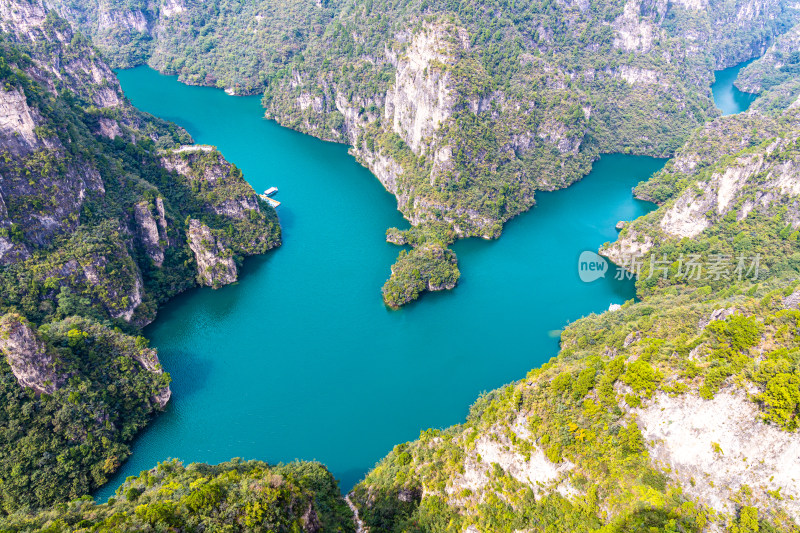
point(727, 97)
point(301, 359)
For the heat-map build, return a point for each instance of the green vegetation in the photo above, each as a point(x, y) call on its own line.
point(427, 267)
point(234, 496)
point(716, 182)
point(60, 446)
point(535, 91)
point(688, 340)
point(78, 261)
point(523, 95)
point(571, 411)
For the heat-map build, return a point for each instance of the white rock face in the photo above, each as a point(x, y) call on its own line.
point(630, 246)
point(17, 122)
point(211, 173)
point(494, 447)
point(306, 101)
point(21, 18)
point(681, 433)
point(422, 97)
point(694, 5)
point(690, 213)
point(687, 217)
point(128, 19)
point(81, 71)
point(215, 266)
point(632, 32)
point(109, 128)
point(26, 354)
point(172, 7)
point(638, 76)
point(152, 232)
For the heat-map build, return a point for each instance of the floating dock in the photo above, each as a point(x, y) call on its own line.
point(266, 197)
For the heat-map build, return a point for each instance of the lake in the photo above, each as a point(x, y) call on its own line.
point(301, 359)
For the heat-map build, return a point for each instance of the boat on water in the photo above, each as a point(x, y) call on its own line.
point(266, 196)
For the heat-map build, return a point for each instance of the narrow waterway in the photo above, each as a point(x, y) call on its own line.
point(727, 97)
point(301, 360)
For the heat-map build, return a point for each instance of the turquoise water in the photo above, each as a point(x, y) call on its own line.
point(727, 97)
point(301, 359)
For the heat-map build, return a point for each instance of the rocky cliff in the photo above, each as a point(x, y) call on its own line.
point(679, 412)
point(215, 266)
point(736, 177)
point(26, 355)
point(654, 417)
point(781, 62)
point(95, 233)
point(463, 112)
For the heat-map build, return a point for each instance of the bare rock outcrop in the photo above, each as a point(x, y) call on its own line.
point(27, 355)
point(422, 97)
point(148, 358)
point(716, 447)
point(73, 64)
point(204, 164)
point(152, 229)
point(215, 264)
point(17, 122)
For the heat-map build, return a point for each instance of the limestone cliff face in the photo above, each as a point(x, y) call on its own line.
point(423, 95)
point(463, 124)
point(152, 229)
point(225, 194)
point(110, 17)
point(748, 181)
point(30, 362)
point(680, 432)
point(148, 358)
point(17, 122)
point(47, 207)
point(779, 63)
point(35, 366)
point(215, 264)
point(608, 427)
point(203, 164)
point(69, 63)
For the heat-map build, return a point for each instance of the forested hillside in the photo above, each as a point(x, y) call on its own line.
point(679, 412)
point(234, 496)
point(462, 110)
point(676, 413)
point(98, 208)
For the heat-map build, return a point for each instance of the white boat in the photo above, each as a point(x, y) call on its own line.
point(270, 191)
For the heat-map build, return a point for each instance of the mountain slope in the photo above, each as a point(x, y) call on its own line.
point(676, 413)
point(464, 110)
point(98, 205)
point(234, 496)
